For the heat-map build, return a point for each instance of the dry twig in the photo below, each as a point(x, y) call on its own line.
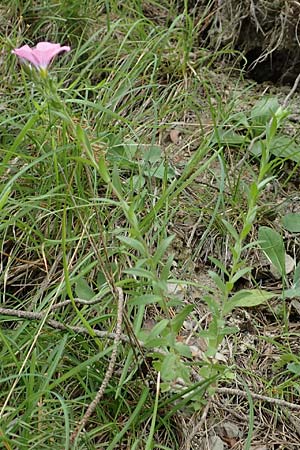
point(264, 398)
point(59, 326)
point(109, 371)
point(118, 336)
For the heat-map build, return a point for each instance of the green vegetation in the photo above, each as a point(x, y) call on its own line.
point(138, 193)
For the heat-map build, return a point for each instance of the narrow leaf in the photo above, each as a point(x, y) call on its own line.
point(247, 299)
point(272, 245)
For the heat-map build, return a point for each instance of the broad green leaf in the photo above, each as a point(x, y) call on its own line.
point(183, 349)
point(83, 290)
point(101, 279)
point(257, 147)
point(285, 147)
point(264, 110)
point(294, 368)
point(240, 273)
point(160, 171)
point(247, 299)
point(291, 222)
point(291, 293)
point(152, 154)
point(271, 243)
point(172, 368)
point(227, 137)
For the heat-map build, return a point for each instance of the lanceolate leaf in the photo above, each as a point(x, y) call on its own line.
point(246, 299)
point(272, 245)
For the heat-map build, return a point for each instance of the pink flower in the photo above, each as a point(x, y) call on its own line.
point(41, 55)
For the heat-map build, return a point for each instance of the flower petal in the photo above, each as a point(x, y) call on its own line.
point(27, 54)
point(41, 55)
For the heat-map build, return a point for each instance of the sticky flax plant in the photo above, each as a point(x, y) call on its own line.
point(148, 269)
point(226, 301)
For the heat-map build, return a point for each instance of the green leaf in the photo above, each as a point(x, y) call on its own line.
point(294, 368)
point(240, 273)
point(296, 278)
point(218, 281)
point(264, 110)
point(147, 299)
point(285, 147)
point(116, 181)
point(257, 147)
point(183, 349)
point(101, 279)
point(178, 320)
point(152, 154)
point(165, 273)
point(227, 137)
point(172, 368)
point(271, 243)
point(103, 169)
point(83, 290)
point(247, 299)
point(162, 248)
point(157, 330)
point(218, 264)
point(4, 197)
point(291, 222)
point(291, 293)
point(133, 244)
point(231, 230)
point(160, 171)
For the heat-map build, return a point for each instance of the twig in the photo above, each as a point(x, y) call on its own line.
point(239, 392)
point(264, 398)
point(291, 93)
point(123, 337)
point(109, 371)
point(238, 415)
point(196, 430)
point(59, 326)
point(94, 301)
